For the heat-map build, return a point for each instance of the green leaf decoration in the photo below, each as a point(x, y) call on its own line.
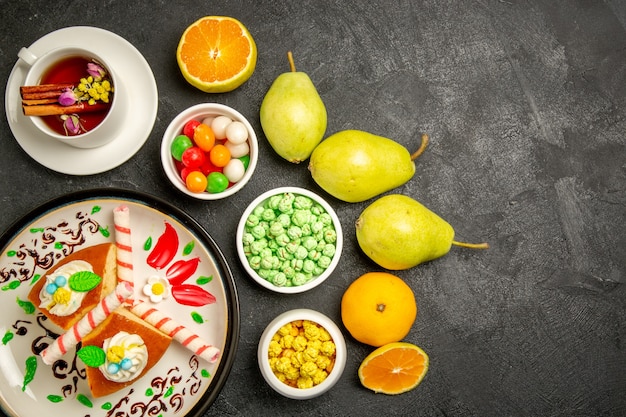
point(188, 248)
point(84, 400)
point(54, 398)
point(104, 231)
point(148, 244)
point(8, 336)
point(92, 356)
point(197, 317)
point(29, 373)
point(11, 286)
point(27, 306)
point(204, 280)
point(95, 209)
point(35, 279)
point(84, 281)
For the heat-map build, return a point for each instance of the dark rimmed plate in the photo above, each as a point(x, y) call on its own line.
point(181, 384)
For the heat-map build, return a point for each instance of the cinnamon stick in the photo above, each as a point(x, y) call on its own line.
point(42, 88)
point(57, 109)
point(43, 91)
point(43, 94)
point(35, 102)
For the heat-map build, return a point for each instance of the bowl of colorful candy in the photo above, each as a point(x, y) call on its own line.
point(209, 151)
point(289, 240)
point(302, 354)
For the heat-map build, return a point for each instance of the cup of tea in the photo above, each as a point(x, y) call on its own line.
point(71, 94)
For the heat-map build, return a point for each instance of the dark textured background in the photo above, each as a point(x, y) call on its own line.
point(525, 102)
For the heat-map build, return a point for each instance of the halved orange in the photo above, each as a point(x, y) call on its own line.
point(216, 54)
point(394, 368)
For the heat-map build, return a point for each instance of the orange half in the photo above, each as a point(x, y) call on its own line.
point(394, 368)
point(216, 54)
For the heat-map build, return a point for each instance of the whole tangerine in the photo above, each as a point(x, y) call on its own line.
point(378, 308)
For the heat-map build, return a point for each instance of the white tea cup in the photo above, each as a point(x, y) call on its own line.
point(99, 135)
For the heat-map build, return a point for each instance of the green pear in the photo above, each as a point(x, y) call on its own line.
point(293, 115)
point(397, 232)
point(354, 166)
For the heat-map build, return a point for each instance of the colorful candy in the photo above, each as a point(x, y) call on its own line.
point(219, 156)
point(196, 182)
point(211, 155)
point(180, 144)
point(236, 133)
point(219, 125)
point(204, 137)
point(190, 127)
point(216, 182)
point(234, 170)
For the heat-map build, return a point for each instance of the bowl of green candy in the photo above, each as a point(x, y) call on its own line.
point(289, 240)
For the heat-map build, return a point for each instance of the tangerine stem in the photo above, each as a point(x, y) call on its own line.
point(292, 65)
point(422, 147)
point(483, 245)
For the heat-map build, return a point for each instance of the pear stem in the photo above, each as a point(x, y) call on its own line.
point(422, 147)
point(292, 65)
point(484, 245)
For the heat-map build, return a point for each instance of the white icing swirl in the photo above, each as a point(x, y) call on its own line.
point(134, 350)
point(76, 298)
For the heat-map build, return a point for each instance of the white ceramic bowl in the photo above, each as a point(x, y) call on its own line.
point(340, 354)
point(241, 250)
point(199, 112)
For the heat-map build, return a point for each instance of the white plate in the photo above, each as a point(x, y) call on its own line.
point(140, 92)
point(180, 384)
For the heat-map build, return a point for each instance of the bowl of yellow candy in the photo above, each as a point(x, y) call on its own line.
point(289, 240)
point(302, 354)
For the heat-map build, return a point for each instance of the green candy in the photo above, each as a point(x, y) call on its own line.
point(246, 161)
point(289, 239)
point(216, 182)
point(179, 145)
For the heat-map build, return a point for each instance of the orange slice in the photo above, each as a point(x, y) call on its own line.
point(216, 54)
point(394, 368)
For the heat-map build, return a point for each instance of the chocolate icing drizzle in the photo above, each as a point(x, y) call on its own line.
point(49, 244)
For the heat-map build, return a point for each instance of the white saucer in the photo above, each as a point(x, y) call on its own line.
point(141, 93)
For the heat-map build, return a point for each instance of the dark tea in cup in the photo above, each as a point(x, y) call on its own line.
point(74, 70)
point(71, 70)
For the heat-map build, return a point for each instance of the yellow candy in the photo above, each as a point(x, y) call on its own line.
point(305, 382)
point(328, 348)
point(310, 354)
point(275, 349)
point(299, 343)
point(319, 376)
point(301, 354)
point(308, 369)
